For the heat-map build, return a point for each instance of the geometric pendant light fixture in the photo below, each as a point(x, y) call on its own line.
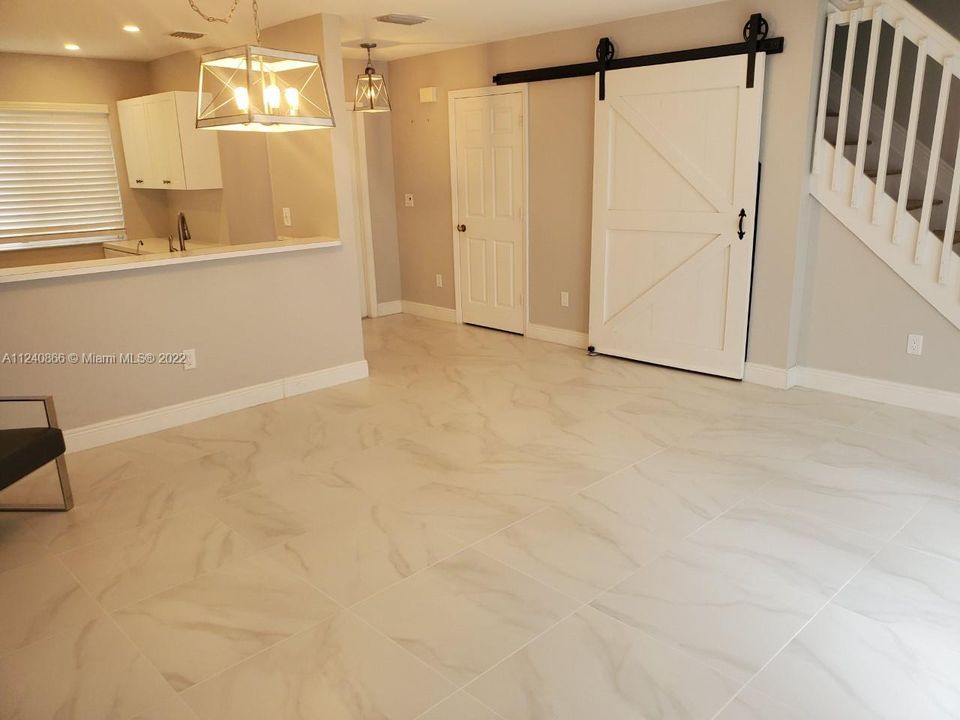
point(371, 94)
point(257, 89)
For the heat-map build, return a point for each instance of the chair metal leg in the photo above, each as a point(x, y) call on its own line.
point(65, 492)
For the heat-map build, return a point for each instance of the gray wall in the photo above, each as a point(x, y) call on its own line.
point(857, 314)
point(561, 151)
point(251, 320)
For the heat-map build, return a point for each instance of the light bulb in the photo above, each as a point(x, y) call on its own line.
point(242, 98)
point(293, 99)
point(271, 97)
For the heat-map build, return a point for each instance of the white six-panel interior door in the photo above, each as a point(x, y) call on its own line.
point(675, 160)
point(488, 159)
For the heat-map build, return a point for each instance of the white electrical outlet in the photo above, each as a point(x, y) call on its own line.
point(190, 359)
point(287, 217)
point(408, 199)
point(439, 280)
point(564, 298)
point(915, 345)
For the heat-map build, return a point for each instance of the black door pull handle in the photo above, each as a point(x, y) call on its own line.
point(743, 216)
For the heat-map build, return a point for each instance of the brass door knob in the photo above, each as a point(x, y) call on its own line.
point(461, 228)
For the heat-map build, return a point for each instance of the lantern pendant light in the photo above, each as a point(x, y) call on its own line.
point(371, 95)
point(257, 89)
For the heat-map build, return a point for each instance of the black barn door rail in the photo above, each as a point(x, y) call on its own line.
point(755, 40)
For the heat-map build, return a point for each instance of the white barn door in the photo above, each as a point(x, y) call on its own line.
point(675, 160)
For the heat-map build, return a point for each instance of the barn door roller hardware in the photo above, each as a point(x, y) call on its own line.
point(755, 41)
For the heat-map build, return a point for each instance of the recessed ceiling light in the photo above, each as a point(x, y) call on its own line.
point(131, 28)
point(71, 46)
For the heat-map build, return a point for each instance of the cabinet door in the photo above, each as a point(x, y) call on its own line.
point(133, 131)
point(164, 134)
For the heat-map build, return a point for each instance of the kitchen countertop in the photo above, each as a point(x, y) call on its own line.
point(132, 261)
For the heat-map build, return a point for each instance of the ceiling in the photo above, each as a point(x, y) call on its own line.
point(29, 26)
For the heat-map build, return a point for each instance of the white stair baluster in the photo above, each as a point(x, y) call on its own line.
point(946, 253)
point(867, 104)
point(824, 91)
point(934, 167)
point(888, 120)
point(845, 97)
point(911, 139)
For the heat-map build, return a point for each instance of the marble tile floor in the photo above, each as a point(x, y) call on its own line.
point(495, 528)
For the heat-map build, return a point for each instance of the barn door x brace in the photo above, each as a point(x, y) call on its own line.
point(755, 41)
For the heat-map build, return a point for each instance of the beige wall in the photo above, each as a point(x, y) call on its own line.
point(262, 174)
point(381, 188)
point(251, 320)
point(858, 313)
point(561, 152)
point(46, 78)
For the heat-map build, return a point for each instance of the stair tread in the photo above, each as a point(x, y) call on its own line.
point(851, 141)
point(892, 171)
point(917, 204)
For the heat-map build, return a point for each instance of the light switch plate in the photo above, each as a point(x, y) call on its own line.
point(564, 298)
point(287, 217)
point(408, 200)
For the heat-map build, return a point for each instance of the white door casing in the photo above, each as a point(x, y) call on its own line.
point(488, 158)
point(675, 160)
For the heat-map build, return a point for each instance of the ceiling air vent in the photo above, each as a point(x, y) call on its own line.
point(396, 19)
point(186, 35)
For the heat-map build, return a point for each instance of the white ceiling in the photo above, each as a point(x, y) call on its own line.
point(43, 26)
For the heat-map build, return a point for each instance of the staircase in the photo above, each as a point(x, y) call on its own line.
point(886, 167)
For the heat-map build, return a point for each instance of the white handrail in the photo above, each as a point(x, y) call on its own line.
point(883, 222)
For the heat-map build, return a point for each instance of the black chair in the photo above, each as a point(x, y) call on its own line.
point(24, 450)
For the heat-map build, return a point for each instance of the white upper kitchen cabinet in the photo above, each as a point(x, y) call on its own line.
point(162, 145)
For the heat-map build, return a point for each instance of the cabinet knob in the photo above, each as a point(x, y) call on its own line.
point(139, 181)
point(166, 182)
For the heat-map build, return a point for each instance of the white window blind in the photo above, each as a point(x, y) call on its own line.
point(58, 176)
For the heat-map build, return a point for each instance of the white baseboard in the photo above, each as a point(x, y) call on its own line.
point(770, 376)
point(916, 397)
point(129, 426)
point(392, 307)
point(434, 312)
point(560, 336)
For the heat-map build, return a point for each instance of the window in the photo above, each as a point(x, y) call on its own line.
point(58, 177)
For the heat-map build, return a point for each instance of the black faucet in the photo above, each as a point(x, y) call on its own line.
point(183, 232)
